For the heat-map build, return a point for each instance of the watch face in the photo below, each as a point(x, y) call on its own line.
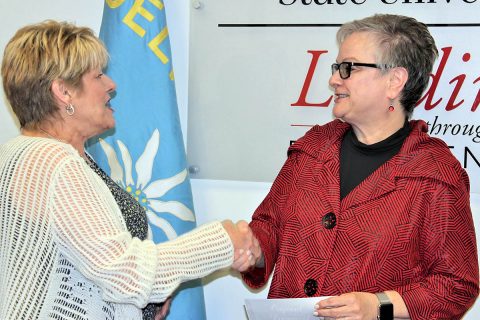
point(386, 311)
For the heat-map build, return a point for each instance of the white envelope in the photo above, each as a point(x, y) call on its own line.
point(282, 309)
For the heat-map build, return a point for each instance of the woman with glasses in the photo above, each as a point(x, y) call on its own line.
point(369, 209)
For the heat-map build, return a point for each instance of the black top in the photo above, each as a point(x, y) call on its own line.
point(135, 219)
point(133, 213)
point(359, 160)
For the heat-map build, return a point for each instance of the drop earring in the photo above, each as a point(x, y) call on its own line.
point(391, 108)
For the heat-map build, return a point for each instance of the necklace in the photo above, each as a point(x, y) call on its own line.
point(52, 136)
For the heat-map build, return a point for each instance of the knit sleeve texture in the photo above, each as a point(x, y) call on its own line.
point(90, 231)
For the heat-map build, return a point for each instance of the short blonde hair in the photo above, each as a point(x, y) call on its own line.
point(40, 53)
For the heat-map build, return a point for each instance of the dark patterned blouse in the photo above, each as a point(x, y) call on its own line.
point(134, 215)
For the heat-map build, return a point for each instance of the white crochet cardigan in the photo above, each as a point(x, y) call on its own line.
point(65, 252)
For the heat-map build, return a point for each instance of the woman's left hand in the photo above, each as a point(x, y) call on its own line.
point(163, 310)
point(351, 306)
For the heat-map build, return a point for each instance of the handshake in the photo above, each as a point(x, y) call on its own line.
point(247, 248)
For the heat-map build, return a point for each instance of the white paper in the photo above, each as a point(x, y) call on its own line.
point(282, 309)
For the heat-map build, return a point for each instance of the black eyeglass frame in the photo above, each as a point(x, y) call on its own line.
point(348, 69)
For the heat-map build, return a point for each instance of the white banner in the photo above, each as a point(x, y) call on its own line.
point(259, 75)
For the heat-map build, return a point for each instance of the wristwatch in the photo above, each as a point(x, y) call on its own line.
point(385, 307)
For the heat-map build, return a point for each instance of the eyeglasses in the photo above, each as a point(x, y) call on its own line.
point(345, 68)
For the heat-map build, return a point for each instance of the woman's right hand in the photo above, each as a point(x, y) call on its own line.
point(247, 248)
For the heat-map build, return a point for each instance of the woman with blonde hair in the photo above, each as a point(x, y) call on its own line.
point(73, 244)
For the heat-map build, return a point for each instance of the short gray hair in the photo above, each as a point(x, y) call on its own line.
point(402, 42)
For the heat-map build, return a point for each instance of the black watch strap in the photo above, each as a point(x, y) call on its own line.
point(385, 307)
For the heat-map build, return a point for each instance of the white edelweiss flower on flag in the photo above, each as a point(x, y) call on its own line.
point(148, 193)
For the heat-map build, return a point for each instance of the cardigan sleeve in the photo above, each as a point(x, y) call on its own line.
point(449, 253)
point(89, 230)
point(266, 223)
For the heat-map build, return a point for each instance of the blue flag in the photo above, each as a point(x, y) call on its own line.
point(145, 152)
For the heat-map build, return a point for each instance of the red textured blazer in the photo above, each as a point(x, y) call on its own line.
point(407, 227)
